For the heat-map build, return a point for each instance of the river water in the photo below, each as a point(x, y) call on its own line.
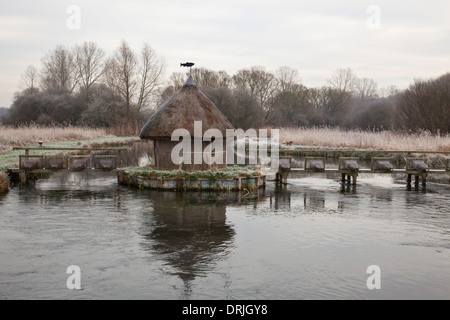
point(311, 239)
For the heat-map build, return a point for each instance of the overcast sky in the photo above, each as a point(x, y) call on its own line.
point(392, 42)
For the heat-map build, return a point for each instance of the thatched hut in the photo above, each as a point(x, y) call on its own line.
point(180, 111)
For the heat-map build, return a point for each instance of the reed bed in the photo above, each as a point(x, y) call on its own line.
point(24, 135)
point(324, 137)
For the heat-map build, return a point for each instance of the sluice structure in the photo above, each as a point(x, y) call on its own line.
point(350, 167)
point(32, 167)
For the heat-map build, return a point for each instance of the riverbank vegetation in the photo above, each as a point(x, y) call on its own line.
point(81, 86)
point(298, 138)
point(211, 174)
point(328, 137)
point(79, 94)
point(11, 136)
point(53, 137)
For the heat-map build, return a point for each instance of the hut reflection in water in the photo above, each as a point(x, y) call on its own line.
point(188, 233)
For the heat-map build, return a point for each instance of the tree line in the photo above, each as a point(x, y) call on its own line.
point(80, 86)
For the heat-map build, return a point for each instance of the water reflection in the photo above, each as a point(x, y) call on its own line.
point(314, 202)
point(187, 231)
point(65, 187)
point(280, 198)
point(307, 239)
point(348, 188)
point(137, 154)
point(382, 195)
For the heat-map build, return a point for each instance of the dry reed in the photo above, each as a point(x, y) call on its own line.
point(23, 135)
point(376, 140)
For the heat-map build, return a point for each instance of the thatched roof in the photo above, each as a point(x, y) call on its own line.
point(187, 105)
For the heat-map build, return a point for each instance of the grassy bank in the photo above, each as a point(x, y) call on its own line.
point(11, 159)
point(212, 174)
point(26, 135)
point(218, 180)
point(309, 138)
point(53, 137)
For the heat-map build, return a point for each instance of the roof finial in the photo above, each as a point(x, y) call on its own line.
point(187, 64)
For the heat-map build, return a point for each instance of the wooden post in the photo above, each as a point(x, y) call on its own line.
point(120, 176)
point(354, 179)
point(416, 181)
point(23, 177)
point(119, 158)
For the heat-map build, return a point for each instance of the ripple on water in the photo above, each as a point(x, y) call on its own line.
point(311, 239)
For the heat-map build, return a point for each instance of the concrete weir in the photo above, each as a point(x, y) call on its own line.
point(349, 169)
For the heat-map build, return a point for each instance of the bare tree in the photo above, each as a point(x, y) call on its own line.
point(389, 91)
point(343, 80)
point(365, 88)
point(424, 105)
point(208, 78)
point(290, 106)
point(59, 72)
point(151, 71)
point(174, 83)
point(121, 74)
point(205, 77)
point(331, 102)
point(287, 78)
point(30, 77)
point(89, 64)
point(176, 80)
point(258, 82)
point(134, 78)
point(241, 108)
point(224, 79)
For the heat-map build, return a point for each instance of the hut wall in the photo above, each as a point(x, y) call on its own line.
point(163, 156)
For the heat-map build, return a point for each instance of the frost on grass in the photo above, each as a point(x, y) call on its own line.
point(23, 135)
point(212, 174)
